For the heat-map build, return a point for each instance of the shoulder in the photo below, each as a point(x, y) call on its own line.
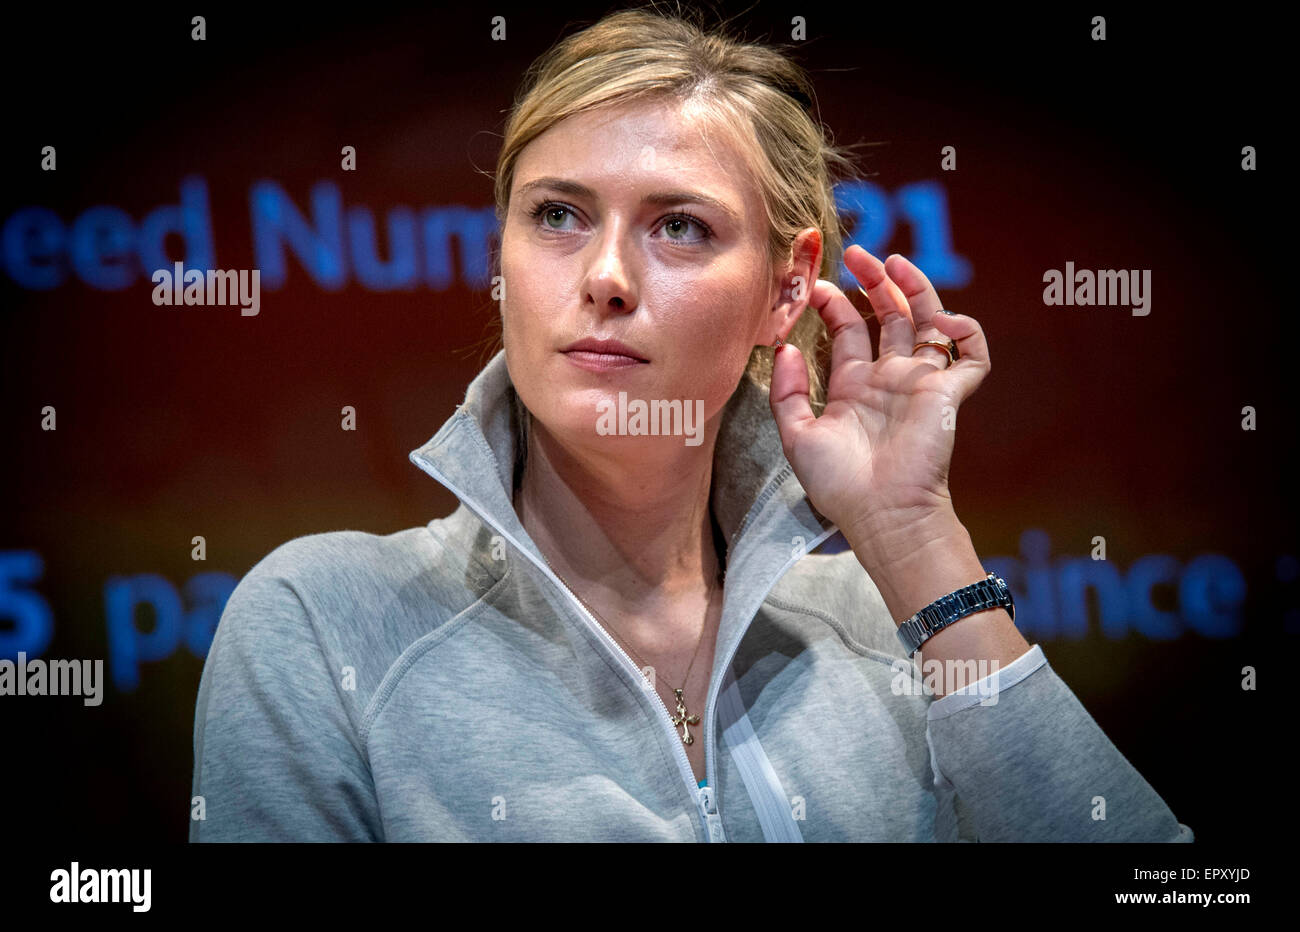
point(353, 568)
point(351, 573)
point(353, 599)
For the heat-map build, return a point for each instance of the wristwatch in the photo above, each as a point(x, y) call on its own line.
point(989, 592)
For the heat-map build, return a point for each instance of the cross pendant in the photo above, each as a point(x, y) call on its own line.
point(683, 719)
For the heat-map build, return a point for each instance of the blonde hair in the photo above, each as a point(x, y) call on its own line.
point(756, 95)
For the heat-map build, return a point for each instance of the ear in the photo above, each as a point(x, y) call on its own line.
point(796, 283)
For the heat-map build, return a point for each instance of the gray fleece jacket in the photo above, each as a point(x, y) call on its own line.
point(441, 684)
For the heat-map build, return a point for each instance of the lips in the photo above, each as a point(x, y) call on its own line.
point(606, 348)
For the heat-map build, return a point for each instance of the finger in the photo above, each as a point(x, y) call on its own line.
point(974, 364)
point(850, 338)
point(897, 334)
point(789, 395)
point(924, 303)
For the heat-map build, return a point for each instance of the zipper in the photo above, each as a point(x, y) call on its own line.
point(710, 705)
point(704, 801)
point(705, 797)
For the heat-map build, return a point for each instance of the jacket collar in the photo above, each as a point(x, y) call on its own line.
point(759, 505)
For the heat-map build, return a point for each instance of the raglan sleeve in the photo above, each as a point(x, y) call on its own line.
point(1016, 757)
point(276, 755)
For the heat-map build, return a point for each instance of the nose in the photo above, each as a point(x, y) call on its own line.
point(609, 284)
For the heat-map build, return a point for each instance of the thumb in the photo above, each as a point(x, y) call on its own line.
point(789, 393)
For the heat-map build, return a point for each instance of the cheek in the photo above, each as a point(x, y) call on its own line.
point(533, 289)
point(716, 328)
point(515, 296)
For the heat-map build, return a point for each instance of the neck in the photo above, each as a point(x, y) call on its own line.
point(631, 524)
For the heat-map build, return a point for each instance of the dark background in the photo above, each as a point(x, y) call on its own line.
point(176, 422)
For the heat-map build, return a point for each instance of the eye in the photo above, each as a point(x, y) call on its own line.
point(550, 208)
point(673, 223)
point(683, 218)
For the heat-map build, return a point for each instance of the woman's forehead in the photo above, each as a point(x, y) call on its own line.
point(641, 140)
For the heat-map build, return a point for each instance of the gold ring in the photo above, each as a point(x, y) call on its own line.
point(949, 347)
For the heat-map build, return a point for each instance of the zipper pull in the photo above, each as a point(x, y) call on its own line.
point(709, 808)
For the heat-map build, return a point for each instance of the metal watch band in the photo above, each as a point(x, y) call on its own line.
point(989, 592)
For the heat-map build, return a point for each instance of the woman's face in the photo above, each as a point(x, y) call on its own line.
point(595, 246)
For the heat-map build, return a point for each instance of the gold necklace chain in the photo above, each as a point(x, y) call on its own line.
point(682, 718)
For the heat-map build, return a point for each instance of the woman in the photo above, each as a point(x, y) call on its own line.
point(622, 633)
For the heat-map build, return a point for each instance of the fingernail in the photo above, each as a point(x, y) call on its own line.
point(944, 310)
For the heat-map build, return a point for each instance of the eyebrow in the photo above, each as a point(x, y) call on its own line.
point(662, 198)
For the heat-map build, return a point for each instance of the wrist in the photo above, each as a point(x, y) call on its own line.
point(914, 563)
point(903, 536)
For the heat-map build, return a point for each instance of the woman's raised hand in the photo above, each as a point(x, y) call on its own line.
point(878, 456)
